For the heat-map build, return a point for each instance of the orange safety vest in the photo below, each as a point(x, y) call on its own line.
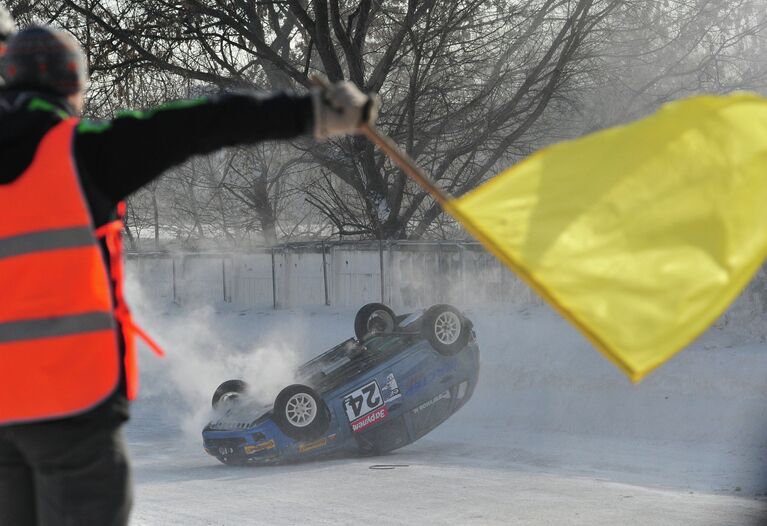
point(59, 349)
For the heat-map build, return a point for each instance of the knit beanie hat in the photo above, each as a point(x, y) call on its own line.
point(6, 25)
point(46, 59)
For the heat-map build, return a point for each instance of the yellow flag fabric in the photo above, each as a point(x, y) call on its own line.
point(643, 234)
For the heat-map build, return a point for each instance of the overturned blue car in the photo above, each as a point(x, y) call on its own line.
point(397, 380)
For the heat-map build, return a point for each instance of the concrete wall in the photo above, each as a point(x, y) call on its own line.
point(414, 274)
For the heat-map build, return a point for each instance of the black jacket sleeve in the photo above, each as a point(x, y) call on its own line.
point(121, 155)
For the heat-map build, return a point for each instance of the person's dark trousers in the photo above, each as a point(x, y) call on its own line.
point(70, 472)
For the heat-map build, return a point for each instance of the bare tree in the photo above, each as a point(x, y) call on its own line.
point(658, 51)
point(463, 82)
point(468, 87)
point(258, 182)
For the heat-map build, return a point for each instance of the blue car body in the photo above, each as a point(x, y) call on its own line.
point(381, 394)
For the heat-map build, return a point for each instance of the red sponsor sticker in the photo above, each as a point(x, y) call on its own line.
point(370, 419)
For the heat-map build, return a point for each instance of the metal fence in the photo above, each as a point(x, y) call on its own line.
point(399, 273)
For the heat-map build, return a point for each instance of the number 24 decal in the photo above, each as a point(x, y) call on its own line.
point(362, 401)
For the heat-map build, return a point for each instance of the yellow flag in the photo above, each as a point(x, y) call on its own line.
point(640, 235)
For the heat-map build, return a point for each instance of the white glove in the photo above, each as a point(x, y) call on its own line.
point(341, 109)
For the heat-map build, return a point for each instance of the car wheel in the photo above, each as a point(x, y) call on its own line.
point(374, 318)
point(229, 392)
point(446, 329)
point(300, 413)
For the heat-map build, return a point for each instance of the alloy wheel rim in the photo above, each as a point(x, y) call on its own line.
point(447, 327)
point(382, 316)
point(228, 398)
point(301, 409)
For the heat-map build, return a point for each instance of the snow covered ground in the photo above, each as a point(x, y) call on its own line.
point(553, 435)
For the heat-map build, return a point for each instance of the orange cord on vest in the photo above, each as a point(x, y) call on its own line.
point(112, 235)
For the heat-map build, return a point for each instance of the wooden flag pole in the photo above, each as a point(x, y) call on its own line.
point(405, 162)
point(399, 157)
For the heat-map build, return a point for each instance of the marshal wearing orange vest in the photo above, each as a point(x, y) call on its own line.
point(58, 343)
point(58, 321)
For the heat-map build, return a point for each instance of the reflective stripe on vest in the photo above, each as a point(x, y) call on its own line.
point(17, 331)
point(59, 351)
point(47, 240)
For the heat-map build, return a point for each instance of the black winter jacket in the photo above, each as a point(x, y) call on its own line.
point(115, 158)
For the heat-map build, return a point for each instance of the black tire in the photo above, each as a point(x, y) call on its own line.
point(300, 413)
point(374, 318)
point(232, 462)
point(229, 391)
point(446, 329)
